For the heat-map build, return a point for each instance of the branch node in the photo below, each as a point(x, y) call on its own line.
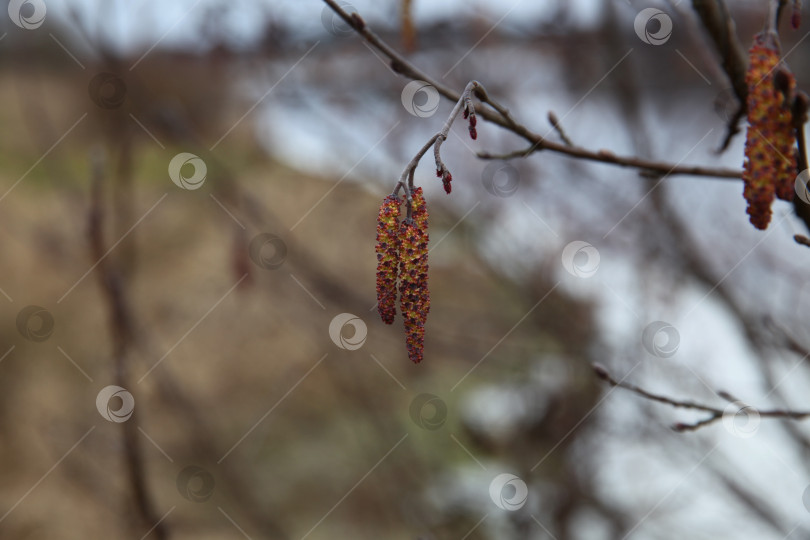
point(555, 123)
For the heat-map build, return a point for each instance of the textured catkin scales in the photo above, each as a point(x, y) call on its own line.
point(770, 149)
point(413, 276)
point(387, 248)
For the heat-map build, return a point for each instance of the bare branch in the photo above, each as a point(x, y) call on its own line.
point(721, 29)
point(555, 123)
point(120, 323)
point(652, 168)
point(503, 118)
point(715, 413)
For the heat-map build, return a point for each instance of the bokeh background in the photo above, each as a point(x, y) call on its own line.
point(240, 416)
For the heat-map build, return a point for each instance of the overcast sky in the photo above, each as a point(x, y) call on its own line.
point(141, 23)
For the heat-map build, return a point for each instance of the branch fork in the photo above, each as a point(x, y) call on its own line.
point(464, 103)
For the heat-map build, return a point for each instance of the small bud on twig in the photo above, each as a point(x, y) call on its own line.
point(600, 371)
point(796, 15)
point(358, 22)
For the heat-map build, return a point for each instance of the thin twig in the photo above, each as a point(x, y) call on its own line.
point(799, 113)
point(404, 181)
point(720, 27)
point(555, 123)
point(502, 117)
point(436, 141)
point(653, 169)
point(715, 413)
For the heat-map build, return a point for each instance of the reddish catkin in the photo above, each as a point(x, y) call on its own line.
point(413, 276)
point(770, 145)
point(446, 177)
point(388, 258)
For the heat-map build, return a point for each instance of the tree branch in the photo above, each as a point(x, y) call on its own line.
point(721, 29)
point(120, 323)
point(715, 413)
point(500, 115)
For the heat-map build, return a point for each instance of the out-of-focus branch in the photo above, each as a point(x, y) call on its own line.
point(757, 505)
point(801, 239)
point(800, 206)
point(652, 169)
point(555, 123)
point(715, 413)
point(122, 333)
point(500, 115)
point(720, 27)
point(790, 342)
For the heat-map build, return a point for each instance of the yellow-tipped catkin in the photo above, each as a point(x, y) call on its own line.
point(413, 276)
point(770, 145)
point(387, 248)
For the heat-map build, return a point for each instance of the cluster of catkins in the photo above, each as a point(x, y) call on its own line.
point(402, 267)
point(770, 145)
point(402, 252)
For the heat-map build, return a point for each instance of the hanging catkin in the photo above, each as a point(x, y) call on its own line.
point(387, 248)
point(770, 144)
point(413, 274)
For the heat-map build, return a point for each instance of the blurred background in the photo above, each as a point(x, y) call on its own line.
point(190, 347)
